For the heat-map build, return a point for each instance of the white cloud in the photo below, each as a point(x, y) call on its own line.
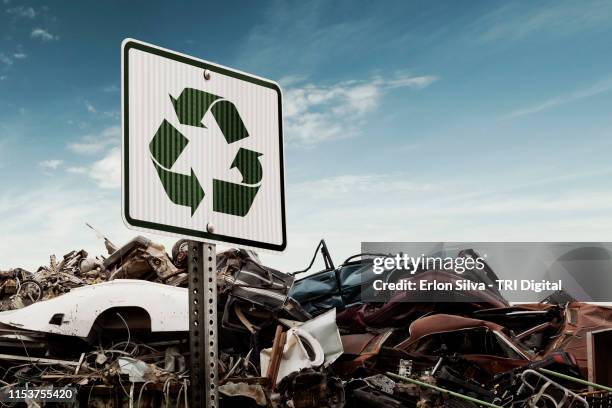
point(397, 207)
point(22, 11)
point(2, 77)
point(90, 108)
point(110, 88)
point(349, 185)
point(43, 35)
point(316, 113)
point(307, 38)
point(114, 114)
point(77, 170)
point(5, 60)
point(291, 80)
point(106, 172)
point(96, 143)
point(8, 60)
point(52, 164)
point(596, 89)
point(418, 82)
point(48, 223)
point(520, 20)
point(358, 207)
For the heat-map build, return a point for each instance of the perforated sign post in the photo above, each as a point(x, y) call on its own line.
point(202, 159)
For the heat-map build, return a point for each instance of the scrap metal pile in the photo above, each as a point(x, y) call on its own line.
point(116, 326)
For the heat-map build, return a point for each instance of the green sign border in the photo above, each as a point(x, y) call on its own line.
point(133, 44)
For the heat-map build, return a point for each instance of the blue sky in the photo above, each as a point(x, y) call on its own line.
point(416, 121)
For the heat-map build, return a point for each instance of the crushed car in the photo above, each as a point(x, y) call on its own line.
point(116, 326)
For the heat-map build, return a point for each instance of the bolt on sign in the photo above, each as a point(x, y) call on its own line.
point(202, 149)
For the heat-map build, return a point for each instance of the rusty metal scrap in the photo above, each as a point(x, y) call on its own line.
point(287, 341)
point(276, 353)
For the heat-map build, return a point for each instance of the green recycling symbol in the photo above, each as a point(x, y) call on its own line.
point(168, 144)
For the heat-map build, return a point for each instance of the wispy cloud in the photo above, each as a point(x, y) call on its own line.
point(106, 172)
point(22, 11)
point(596, 89)
point(110, 88)
point(519, 20)
point(77, 170)
point(400, 207)
point(350, 185)
point(5, 60)
point(290, 80)
point(96, 143)
point(50, 223)
point(442, 199)
point(43, 35)
point(90, 108)
point(318, 113)
point(52, 164)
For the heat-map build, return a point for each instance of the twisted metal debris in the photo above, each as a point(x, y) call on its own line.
point(115, 326)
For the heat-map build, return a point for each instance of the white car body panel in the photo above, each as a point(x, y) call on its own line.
point(166, 305)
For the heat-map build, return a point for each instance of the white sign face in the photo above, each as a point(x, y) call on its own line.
point(202, 150)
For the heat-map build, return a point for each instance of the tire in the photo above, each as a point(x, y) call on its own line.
point(179, 253)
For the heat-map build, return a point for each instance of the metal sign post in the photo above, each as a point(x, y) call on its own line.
point(203, 324)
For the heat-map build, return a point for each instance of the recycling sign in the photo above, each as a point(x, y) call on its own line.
point(169, 143)
point(202, 150)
